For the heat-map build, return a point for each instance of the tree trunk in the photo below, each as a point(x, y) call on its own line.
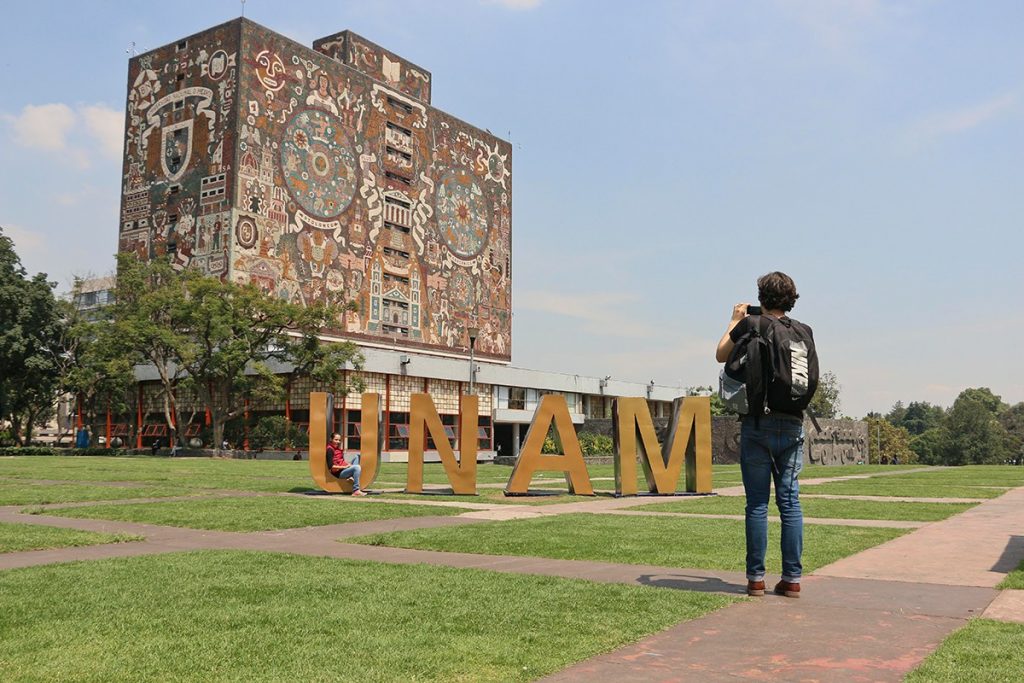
point(218, 431)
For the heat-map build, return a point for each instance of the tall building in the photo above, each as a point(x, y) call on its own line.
point(322, 175)
point(325, 175)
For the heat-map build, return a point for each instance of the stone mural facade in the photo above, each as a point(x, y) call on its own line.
point(322, 176)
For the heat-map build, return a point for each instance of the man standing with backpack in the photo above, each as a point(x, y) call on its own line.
point(774, 358)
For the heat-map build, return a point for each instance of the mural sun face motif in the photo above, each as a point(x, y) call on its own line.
point(462, 214)
point(318, 164)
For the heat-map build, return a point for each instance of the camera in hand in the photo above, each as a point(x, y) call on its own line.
point(753, 310)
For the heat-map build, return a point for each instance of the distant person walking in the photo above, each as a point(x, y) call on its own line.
point(341, 468)
point(772, 432)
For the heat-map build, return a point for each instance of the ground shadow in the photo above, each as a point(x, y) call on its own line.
point(703, 584)
point(1012, 556)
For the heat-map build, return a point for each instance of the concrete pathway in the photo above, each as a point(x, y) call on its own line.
point(870, 617)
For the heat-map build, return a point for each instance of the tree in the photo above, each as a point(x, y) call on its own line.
point(222, 340)
point(826, 399)
point(918, 417)
point(887, 443)
point(1012, 420)
point(718, 407)
point(30, 327)
point(975, 434)
point(931, 445)
point(91, 367)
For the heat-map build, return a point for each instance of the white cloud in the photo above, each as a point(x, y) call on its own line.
point(963, 119)
point(601, 311)
point(25, 241)
point(77, 134)
point(106, 125)
point(517, 4)
point(840, 25)
point(44, 127)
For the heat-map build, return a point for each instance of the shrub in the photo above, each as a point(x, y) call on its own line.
point(275, 433)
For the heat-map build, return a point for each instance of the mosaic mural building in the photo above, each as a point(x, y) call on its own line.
point(322, 175)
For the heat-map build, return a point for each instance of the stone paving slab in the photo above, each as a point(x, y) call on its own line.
point(776, 639)
point(1008, 606)
point(977, 547)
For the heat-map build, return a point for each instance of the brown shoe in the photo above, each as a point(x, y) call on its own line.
point(790, 590)
point(755, 589)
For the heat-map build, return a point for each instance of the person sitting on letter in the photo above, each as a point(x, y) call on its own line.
point(341, 468)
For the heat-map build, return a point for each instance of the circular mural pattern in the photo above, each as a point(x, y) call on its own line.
point(462, 292)
point(461, 214)
point(318, 164)
point(246, 232)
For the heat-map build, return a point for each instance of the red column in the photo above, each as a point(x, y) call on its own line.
point(108, 424)
point(288, 400)
point(245, 440)
point(138, 421)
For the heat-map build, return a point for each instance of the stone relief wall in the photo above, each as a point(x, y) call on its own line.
point(840, 442)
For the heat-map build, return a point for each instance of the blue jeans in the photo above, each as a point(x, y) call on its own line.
point(352, 472)
point(773, 450)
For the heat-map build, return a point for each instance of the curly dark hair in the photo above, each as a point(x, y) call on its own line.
point(776, 291)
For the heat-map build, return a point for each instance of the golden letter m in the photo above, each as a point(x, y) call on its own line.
point(633, 430)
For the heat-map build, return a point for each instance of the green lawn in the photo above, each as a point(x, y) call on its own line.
point(1014, 579)
point(823, 508)
point(885, 486)
point(19, 537)
point(255, 514)
point(269, 617)
point(671, 542)
point(490, 496)
point(984, 651)
point(969, 475)
point(14, 493)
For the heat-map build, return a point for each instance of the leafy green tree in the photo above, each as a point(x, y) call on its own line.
point(718, 407)
point(230, 344)
point(90, 367)
point(931, 446)
point(30, 327)
point(826, 399)
point(887, 443)
point(919, 417)
point(975, 434)
point(1012, 420)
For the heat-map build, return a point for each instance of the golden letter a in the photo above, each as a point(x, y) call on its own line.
point(552, 408)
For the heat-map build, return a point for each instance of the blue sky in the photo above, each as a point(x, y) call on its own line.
point(665, 155)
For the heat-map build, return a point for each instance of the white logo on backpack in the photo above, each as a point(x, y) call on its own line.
point(798, 367)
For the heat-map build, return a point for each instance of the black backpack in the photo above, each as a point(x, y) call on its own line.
point(777, 364)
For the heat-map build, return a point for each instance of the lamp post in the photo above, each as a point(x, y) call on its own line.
point(473, 332)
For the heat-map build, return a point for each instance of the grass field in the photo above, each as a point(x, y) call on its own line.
point(269, 617)
point(20, 537)
point(262, 616)
point(984, 651)
point(912, 489)
point(255, 514)
point(1014, 579)
point(698, 543)
point(823, 508)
